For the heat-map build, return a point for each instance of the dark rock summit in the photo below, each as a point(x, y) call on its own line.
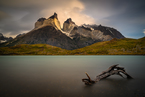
point(41, 19)
point(69, 21)
point(54, 16)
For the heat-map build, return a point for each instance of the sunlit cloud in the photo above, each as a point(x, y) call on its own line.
point(73, 9)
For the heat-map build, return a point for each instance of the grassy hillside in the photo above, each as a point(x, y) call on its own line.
point(33, 49)
point(124, 46)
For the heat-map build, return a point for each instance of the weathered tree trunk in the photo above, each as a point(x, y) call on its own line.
point(114, 69)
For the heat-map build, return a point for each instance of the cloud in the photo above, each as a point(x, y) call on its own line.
point(24, 13)
point(17, 23)
point(3, 15)
point(73, 9)
point(126, 16)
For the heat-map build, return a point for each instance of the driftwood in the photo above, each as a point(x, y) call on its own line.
point(114, 69)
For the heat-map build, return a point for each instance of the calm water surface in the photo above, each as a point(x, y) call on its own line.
point(60, 76)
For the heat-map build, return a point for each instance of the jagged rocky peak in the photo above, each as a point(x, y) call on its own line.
point(68, 25)
point(51, 21)
point(54, 16)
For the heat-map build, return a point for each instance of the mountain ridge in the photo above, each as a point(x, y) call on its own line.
point(71, 36)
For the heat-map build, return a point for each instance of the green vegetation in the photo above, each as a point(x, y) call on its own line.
point(115, 46)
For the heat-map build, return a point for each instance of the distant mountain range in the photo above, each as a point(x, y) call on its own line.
point(71, 36)
point(4, 38)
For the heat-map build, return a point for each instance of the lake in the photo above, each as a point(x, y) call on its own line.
point(60, 76)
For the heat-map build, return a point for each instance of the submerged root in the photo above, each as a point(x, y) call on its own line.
point(114, 69)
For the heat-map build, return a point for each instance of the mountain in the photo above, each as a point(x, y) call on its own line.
point(4, 39)
point(85, 35)
point(71, 36)
point(48, 32)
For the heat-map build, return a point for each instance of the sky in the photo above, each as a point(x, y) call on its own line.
point(127, 16)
